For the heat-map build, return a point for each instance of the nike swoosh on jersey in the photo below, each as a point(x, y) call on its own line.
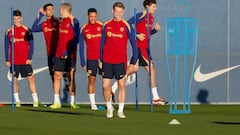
point(201, 77)
point(35, 71)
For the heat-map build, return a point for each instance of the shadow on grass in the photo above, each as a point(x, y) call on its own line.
point(226, 123)
point(146, 108)
point(64, 112)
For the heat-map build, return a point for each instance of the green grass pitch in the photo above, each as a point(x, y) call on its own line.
point(204, 120)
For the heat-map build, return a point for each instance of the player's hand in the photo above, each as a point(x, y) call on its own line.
point(157, 26)
point(99, 64)
point(64, 57)
point(71, 16)
point(41, 10)
point(8, 63)
point(84, 68)
point(141, 36)
point(29, 62)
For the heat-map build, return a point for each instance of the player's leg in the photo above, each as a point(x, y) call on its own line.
point(51, 68)
point(133, 68)
point(27, 71)
point(143, 61)
point(130, 70)
point(32, 83)
point(107, 95)
point(16, 93)
point(153, 74)
point(32, 86)
point(107, 88)
point(91, 92)
point(122, 91)
point(16, 89)
point(121, 97)
point(56, 89)
point(59, 66)
point(107, 91)
point(56, 84)
point(92, 66)
point(119, 72)
point(157, 100)
point(70, 67)
point(72, 88)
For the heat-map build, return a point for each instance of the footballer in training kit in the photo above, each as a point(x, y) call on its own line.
point(23, 51)
point(144, 22)
point(91, 33)
point(65, 56)
point(113, 54)
point(49, 27)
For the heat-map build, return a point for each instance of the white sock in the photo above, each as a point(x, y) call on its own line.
point(120, 107)
point(57, 98)
point(92, 98)
point(16, 97)
point(109, 105)
point(72, 99)
point(155, 93)
point(35, 97)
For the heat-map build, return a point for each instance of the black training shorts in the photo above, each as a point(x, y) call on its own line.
point(116, 71)
point(93, 68)
point(24, 70)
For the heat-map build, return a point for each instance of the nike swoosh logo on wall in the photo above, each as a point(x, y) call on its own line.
point(200, 77)
point(35, 71)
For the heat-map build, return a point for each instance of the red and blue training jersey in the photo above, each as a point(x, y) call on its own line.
point(50, 29)
point(113, 48)
point(92, 34)
point(23, 45)
point(142, 27)
point(72, 50)
point(67, 38)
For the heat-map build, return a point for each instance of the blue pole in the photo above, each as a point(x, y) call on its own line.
point(149, 62)
point(186, 51)
point(12, 26)
point(176, 68)
point(193, 67)
point(136, 83)
point(167, 53)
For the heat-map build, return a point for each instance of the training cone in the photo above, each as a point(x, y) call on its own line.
point(1, 104)
point(174, 122)
point(100, 107)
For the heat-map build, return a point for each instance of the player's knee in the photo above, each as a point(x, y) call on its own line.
point(31, 79)
point(121, 86)
point(92, 80)
point(132, 69)
point(57, 76)
point(106, 87)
